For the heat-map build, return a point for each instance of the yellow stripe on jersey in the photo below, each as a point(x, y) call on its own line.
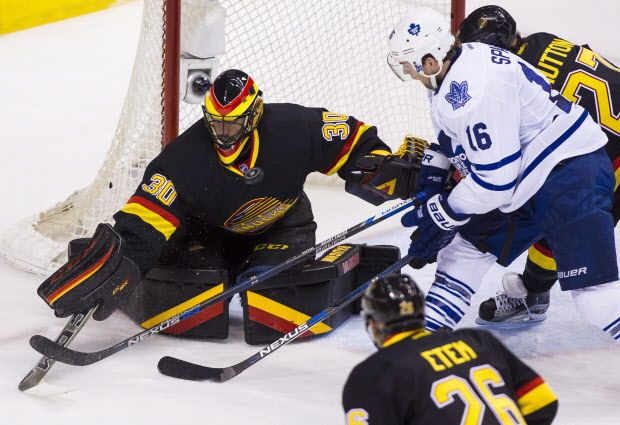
point(345, 157)
point(414, 334)
point(226, 161)
point(157, 221)
point(283, 311)
point(536, 399)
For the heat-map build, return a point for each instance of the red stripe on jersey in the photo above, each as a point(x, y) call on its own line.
point(225, 109)
point(524, 389)
point(616, 163)
point(155, 208)
point(345, 149)
point(545, 251)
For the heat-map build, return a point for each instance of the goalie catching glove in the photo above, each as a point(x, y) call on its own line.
point(388, 176)
point(100, 275)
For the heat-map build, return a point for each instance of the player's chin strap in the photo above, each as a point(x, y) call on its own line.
point(433, 79)
point(66, 355)
point(177, 368)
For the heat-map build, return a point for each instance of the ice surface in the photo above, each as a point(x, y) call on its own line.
point(62, 87)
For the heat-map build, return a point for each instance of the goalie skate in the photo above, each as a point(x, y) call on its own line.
point(514, 306)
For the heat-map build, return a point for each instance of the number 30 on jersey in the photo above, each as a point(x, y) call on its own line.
point(335, 125)
point(161, 188)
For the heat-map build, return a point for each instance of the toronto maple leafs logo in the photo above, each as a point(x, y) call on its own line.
point(414, 29)
point(458, 95)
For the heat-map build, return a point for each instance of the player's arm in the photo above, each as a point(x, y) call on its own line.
point(151, 216)
point(109, 268)
point(366, 400)
point(344, 145)
point(535, 398)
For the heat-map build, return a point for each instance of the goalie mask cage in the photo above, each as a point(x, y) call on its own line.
point(323, 53)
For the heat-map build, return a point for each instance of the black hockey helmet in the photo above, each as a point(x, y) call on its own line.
point(490, 25)
point(395, 304)
point(232, 108)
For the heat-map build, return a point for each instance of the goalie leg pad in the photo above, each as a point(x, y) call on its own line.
point(165, 292)
point(287, 300)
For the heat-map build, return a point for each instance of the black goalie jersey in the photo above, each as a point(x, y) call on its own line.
point(583, 77)
point(187, 182)
point(465, 377)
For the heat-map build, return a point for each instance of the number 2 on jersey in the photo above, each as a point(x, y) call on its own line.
point(579, 81)
point(444, 391)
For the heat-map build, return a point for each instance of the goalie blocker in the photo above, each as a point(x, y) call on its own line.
point(274, 308)
point(98, 273)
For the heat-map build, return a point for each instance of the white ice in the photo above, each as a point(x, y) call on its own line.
point(61, 90)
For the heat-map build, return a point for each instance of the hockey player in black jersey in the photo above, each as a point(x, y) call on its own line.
point(222, 202)
point(582, 76)
point(423, 378)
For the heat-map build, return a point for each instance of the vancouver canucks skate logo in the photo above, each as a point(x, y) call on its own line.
point(258, 214)
point(458, 96)
point(414, 29)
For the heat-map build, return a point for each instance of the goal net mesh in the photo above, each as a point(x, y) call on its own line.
point(322, 53)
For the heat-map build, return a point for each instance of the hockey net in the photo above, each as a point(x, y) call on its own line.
point(316, 53)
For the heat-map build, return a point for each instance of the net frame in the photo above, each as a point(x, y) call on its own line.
point(38, 244)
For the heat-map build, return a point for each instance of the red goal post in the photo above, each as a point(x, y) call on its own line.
point(315, 53)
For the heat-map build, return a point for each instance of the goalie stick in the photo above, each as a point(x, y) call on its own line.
point(66, 355)
point(177, 368)
point(71, 329)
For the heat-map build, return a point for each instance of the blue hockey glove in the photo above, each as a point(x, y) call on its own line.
point(437, 225)
point(433, 175)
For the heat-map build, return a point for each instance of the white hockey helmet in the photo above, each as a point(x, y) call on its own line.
point(421, 32)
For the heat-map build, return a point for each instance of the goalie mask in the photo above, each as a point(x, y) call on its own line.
point(490, 25)
point(419, 34)
point(232, 109)
point(392, 305)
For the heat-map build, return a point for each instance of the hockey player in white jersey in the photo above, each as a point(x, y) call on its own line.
point(522, 149)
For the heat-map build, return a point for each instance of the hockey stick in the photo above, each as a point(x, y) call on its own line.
point(177, 368)
point(71, 329)
point(66, 355)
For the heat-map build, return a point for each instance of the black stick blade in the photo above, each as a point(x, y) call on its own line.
point(177, 368)
point(49, 348)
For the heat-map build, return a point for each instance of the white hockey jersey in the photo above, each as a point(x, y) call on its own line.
point(504, 129)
